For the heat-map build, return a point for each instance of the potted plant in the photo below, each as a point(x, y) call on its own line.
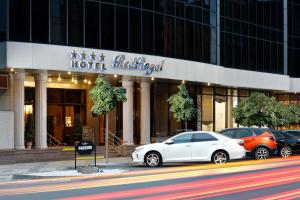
point(29, 131)
point(77, 129)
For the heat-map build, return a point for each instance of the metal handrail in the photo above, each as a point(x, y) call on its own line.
point(115, 143)
point(53, 141)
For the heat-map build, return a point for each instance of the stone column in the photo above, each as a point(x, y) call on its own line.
point(19, 103)
point(127, 83)
point(41, 110)
point(145, 111)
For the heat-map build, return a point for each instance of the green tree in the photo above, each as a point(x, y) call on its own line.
point(293, 114)
point(260, 110)
point(77, 128)
point(105, 98)
point(182, 105)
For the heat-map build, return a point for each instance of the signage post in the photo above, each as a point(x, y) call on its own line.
point(85, 148)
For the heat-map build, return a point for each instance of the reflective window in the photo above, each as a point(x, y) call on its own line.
point(245, 133)
point(107, 26)
point(75, 22)
point(122, 28)
point(19, 20)
point(184, 138)
point(148, 32)
point(40, 21)
point(135, 30)
point(58, 10)
point(92, 28)
point(2, 20)
point(203, 137)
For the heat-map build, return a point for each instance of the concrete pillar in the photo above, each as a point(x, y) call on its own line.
point(41, 110)
point(128, 111)
point(145, 111)
point(19, 103)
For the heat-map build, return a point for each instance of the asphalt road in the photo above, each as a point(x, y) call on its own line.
point(276, 178)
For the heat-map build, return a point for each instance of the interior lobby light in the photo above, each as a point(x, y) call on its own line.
point(115, 75)
point(69, 72)
point(59, 78)
point(49, 80)
point(89, 82)
point(208, 84)
point(73, 79)
point(12, 69)
point(152, 78)
point(85, 81)
point(183, 81)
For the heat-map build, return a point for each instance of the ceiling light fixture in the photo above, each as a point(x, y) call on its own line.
point(59, 78)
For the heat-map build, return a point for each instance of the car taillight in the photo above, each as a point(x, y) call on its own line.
point(271, 138)
point(241, 142)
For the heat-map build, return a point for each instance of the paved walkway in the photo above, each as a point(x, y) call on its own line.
point(8, 171)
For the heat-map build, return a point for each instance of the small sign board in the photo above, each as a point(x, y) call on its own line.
point(85, 148)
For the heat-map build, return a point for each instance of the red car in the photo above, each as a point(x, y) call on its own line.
point(259, 142)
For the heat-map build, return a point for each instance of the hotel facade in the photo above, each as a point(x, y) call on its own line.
point(52, 51)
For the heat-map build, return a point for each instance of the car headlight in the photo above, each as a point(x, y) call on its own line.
point(139, 149)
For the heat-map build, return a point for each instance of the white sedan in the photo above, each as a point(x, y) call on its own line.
point(189, 147)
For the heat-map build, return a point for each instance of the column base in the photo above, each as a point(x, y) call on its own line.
point(20, 147)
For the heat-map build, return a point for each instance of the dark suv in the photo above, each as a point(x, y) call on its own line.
point(259, 142)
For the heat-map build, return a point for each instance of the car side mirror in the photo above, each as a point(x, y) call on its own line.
point(170, 142)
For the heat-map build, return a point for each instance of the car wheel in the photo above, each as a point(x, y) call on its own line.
point(285, 151)
point(261, 153)
point(219, 157)
point(153, 159)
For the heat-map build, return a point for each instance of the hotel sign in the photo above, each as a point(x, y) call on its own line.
point(95, 62)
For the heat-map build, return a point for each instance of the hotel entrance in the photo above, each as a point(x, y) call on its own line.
point(66, 108)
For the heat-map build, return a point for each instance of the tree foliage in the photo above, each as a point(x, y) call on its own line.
point(105, 97)
point(260, 110)
point(182, 105)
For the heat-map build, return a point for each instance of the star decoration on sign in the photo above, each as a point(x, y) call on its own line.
point(82, 55)
point(73, 55)
point(92, 56)
point(101, 57)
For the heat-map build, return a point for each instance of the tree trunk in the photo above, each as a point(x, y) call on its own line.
point(106, 138)
point(185, 123)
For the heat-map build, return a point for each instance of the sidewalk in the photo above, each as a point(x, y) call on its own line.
point(7, 172)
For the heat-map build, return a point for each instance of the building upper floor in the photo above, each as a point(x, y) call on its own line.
point(252, 35)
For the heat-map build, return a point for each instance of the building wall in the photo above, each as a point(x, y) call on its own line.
point(7, 129)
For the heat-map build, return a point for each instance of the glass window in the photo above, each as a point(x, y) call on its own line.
point(147, 4)
point(245, 133)
point(159, 34)
point(294, 133)
point(184, 138)
point(19, 20)
point(2, 20)
point(203, 137)
point(135, 30)
point(148, 32)
point(229, 133)
point(159, 5)
point(179, 38)
point(92, 25)
point(170, 36)
point(170, 7)
point(107, 26)
point(58, 21)
point(75, 25)
point(135, 3)
point(189, 40)
point(122, 2)
point(122, 28)
point(198, 42)
point(40, 20)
